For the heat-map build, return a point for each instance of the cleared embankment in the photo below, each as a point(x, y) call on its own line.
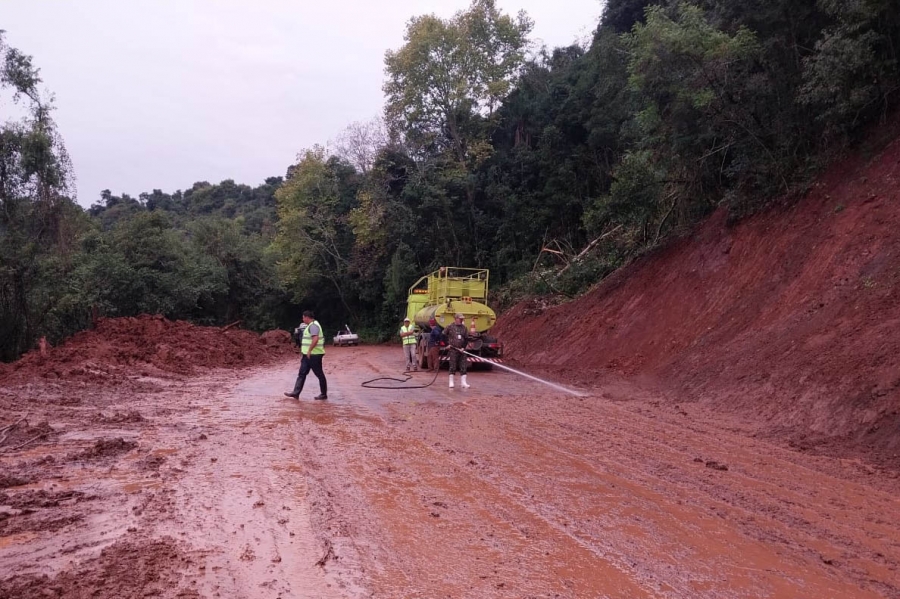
point(790, 318)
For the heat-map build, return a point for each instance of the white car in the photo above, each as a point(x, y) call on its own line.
point(346, 337)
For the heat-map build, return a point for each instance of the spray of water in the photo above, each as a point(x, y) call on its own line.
point(534, 378)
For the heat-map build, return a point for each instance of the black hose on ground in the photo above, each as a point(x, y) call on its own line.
point(368, 384)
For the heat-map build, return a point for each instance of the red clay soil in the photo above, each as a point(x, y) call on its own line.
point(790, 318)
point(146, 345)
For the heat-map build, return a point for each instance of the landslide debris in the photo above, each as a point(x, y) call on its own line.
point(146, 345)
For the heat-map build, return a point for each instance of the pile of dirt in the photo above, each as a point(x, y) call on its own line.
point(9, 480)
point(145, 345)
point(131, 416)
point(791, 318)
point(124, 569)
point(105, 448)
point(276, 338)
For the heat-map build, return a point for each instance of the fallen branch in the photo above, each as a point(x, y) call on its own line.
point(561, 253)
point(21, 445)
point(553, 288)
point(233, 324)
point(538, 259)
point(589, 247)
point(329, 554)
point(666, 217)
point(8, 430)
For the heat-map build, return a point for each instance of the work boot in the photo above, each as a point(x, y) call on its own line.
point(451, 381)
point(322, 396)
point(294, 395)
point(465, 385)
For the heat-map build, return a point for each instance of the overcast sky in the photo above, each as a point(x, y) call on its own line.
point(163, 93)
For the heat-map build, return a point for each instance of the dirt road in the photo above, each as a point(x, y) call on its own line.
point(218, 486)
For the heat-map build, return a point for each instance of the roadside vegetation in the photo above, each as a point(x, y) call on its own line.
point(550, 166)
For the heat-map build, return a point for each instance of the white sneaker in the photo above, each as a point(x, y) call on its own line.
point(451, 381)
point(465, 385)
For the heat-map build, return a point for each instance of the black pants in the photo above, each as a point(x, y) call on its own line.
point(314, 363)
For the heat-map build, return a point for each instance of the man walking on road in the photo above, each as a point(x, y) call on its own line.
point(312, 348)
point(408, 338)
point(457, 339)
point(434, 346)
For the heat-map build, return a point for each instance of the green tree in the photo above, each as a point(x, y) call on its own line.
point(314, 239)
point(252, 291)
point(146, 266)
point(450, 70)
point(443, 89)
point(854, 70)
point(697, 88)
point(38, 221)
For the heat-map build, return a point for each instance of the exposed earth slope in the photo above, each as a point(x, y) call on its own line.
point(791, 318)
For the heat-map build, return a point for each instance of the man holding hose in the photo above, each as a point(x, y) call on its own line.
point(457, 339)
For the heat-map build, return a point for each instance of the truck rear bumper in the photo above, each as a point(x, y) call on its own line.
point(478, 359)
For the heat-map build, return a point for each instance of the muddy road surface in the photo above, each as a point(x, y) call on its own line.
point(219, 486)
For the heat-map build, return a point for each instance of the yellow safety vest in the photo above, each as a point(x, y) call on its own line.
point(411, 340)
point(319, 349)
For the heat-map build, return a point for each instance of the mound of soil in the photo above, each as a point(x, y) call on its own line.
point(142, 345)
point(277, 338)
point(124, 569)
point(105, 448)
point(131, 416)
point(8, 480)
point(791, 318)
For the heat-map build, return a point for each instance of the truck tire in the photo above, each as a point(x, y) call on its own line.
point(421, 357)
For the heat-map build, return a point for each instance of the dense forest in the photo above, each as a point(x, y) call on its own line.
point(551, 167)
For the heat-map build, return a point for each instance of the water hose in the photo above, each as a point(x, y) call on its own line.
point(369, 383)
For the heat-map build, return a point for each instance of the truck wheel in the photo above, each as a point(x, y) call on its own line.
point(421, 356)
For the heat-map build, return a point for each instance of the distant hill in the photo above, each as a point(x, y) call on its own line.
point(255, 205)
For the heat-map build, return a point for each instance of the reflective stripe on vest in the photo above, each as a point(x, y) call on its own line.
point(411, 340)
point(307, 340)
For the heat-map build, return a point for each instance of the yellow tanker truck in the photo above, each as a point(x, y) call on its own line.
point(446, 292)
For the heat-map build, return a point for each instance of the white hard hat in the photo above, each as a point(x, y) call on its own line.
point(406, 320)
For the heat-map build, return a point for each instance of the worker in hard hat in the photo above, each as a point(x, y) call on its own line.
point(457, 339)
point(408, 338)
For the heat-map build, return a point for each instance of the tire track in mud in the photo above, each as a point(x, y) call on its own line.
point(244, 500)
point(778, 501)
point(418, 536)
point(202, 500)
point(760, 509)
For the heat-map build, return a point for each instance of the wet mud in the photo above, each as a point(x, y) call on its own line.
point(213, 484)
